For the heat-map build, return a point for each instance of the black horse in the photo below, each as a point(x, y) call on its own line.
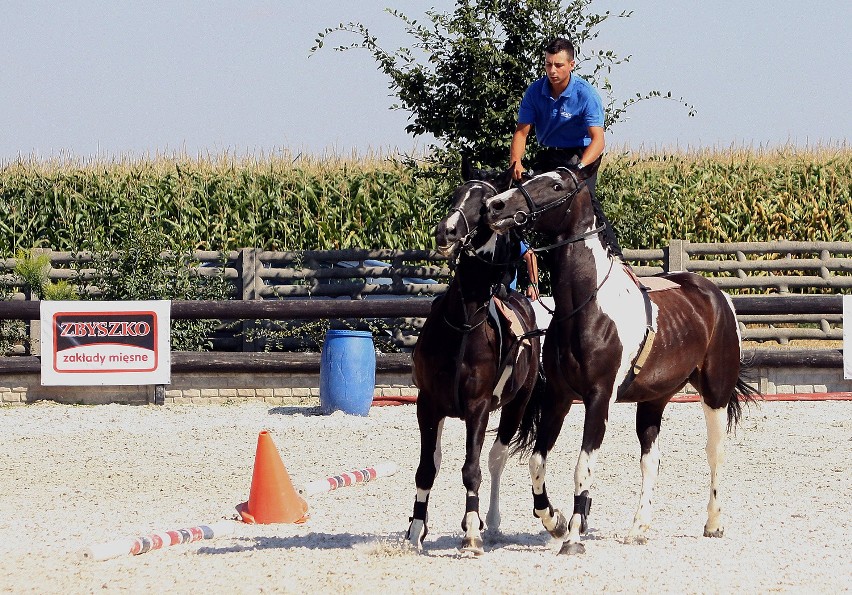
point(611, 339)
point(473, 356)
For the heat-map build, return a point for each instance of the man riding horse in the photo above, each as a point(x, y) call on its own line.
point(568, 116)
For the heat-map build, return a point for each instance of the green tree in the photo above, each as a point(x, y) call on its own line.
point(463, 76)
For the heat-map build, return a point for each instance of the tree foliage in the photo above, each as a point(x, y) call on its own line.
point(463, 76)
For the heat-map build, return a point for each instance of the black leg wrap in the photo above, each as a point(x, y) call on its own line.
point(583, 503)
point(420, 510)
point(471, 504)
point(540, 502)
point(421, 515)
point(582, 506)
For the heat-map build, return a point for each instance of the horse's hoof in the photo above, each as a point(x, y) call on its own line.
point(636, 539)
point(415, 535)
point(416, 546)
point(570, 548)
point(720, 532)
point(472, 545)
point(561, 528)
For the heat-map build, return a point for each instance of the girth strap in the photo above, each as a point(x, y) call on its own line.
point(650, 333)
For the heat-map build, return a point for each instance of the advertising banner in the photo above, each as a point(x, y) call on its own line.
point(105, 343)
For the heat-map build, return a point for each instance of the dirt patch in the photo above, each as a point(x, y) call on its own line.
point(72, 476)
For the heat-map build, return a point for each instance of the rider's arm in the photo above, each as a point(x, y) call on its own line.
point(596, 147)
point(517, 149)
point(532, 271)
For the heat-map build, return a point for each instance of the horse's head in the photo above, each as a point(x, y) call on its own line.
point(541, 203)
point(465, 223)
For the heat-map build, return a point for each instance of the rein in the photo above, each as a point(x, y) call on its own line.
point(571, 240)
point(466, 328)
point(591, 295)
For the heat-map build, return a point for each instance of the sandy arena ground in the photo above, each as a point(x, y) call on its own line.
point(73, 476)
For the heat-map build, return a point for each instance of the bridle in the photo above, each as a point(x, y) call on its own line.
point(528, 219)
point(523, 219)
point(466, 241)
point(469, 233)
point(466, 246)
point(468, 324)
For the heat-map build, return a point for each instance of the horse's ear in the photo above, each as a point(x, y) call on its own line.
point(467, 170)
point(504, 180)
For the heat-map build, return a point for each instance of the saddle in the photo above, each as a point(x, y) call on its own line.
point(499, 308)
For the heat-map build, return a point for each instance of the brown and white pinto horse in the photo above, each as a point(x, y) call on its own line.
point(601, 321)
point(470, 360)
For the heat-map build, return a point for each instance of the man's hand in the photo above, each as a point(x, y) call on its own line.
point(532, 292)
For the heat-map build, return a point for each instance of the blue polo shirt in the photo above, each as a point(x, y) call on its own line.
point(562, 122)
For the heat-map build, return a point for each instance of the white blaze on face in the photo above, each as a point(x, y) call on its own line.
point(454, 221)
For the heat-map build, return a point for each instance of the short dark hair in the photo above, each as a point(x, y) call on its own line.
point(560, 44)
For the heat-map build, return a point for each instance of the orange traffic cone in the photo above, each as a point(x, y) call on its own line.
point(272, 498)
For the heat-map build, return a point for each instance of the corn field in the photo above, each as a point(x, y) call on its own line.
point(281, 203)
point(733, 196)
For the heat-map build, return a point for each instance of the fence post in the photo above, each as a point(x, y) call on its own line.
point(247, 266)
point(677, 257)
point(35, 325)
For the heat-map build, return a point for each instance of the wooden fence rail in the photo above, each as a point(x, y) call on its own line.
point(750, 272)
point(411, 307)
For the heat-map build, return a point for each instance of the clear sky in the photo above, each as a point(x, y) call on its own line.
point(112, 78)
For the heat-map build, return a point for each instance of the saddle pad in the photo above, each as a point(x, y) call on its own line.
point(649, 284)
point(514, 323)
point(657, 284)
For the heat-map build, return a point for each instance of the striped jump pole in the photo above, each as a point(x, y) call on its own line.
point(147, 543)
point(332, 482)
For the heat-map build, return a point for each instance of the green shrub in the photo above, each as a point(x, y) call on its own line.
point(138, 262)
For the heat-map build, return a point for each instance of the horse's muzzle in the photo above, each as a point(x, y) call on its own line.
point(448, 250)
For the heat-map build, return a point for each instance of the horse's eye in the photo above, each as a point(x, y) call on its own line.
point(557, 187)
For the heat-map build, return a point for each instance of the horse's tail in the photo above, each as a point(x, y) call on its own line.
point(524, 439)
point(743, 393)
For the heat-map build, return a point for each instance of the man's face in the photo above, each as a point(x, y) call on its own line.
point(558, 68)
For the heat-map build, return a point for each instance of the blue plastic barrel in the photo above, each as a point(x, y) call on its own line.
point(347, 372)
